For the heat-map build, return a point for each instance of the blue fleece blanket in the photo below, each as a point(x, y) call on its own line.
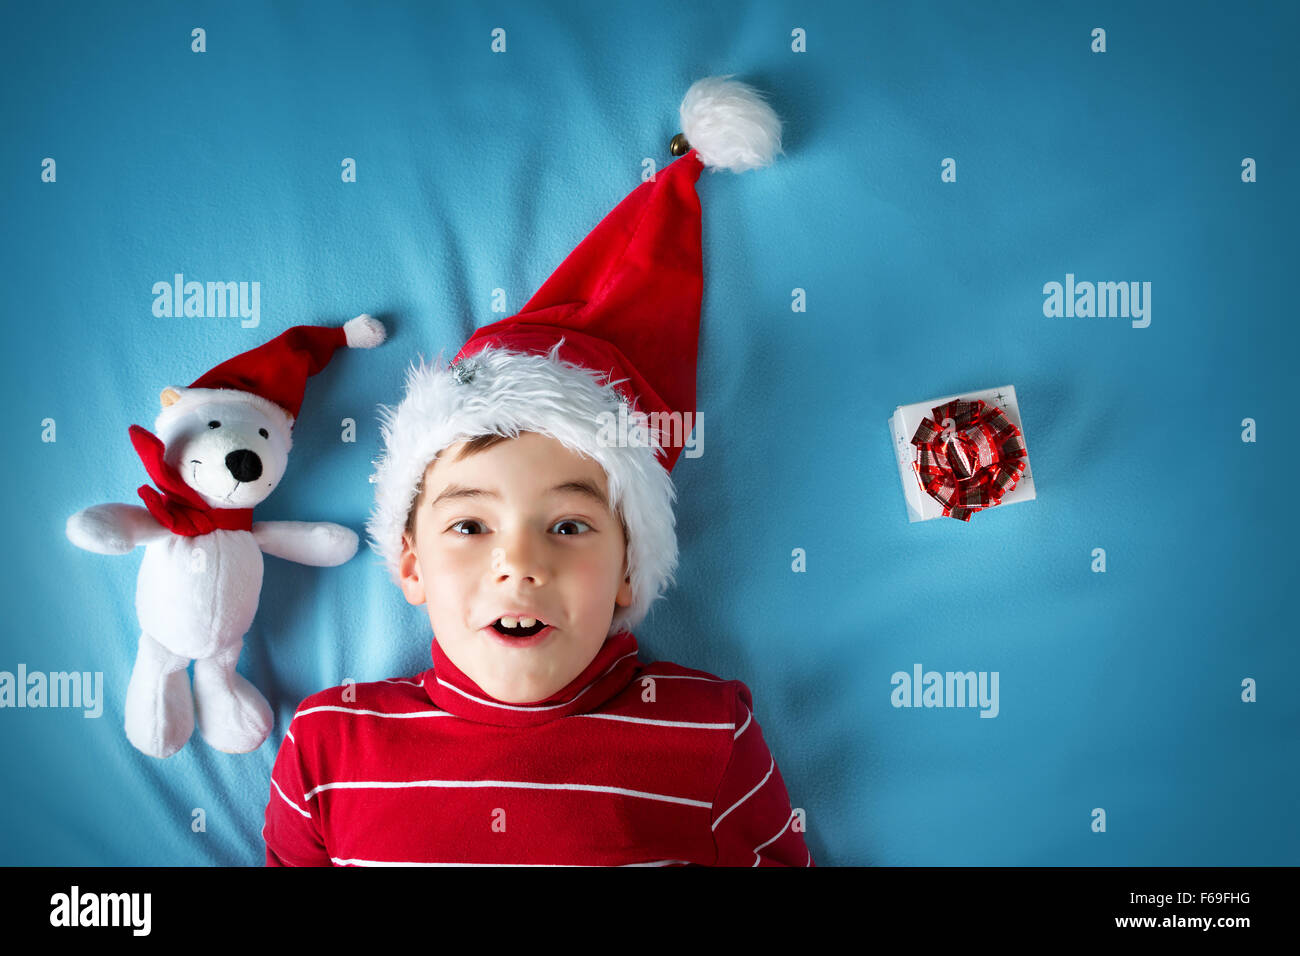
point(944, 166)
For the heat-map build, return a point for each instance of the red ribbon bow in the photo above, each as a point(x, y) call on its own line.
point(970, 464)
point(179, 507)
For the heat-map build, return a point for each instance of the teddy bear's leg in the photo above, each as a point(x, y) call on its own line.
point(233, 715)
point(159, 705)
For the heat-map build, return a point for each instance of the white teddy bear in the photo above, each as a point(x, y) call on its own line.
point(221, 447)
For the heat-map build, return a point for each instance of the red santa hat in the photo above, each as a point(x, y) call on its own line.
point(271, 377)
point(611, 336)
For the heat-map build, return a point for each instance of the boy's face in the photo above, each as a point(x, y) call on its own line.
point(509, 530)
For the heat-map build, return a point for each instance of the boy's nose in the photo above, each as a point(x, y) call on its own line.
point(520, 559)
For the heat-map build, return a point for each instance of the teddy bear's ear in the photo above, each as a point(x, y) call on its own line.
point(169, 397)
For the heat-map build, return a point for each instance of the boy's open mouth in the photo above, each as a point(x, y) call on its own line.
point(517, 630)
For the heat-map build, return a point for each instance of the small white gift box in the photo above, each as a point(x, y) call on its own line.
point(921, 506)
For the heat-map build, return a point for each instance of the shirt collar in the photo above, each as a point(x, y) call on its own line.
point(611, 670)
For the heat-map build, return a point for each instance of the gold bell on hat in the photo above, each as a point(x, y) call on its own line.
point(679, 146)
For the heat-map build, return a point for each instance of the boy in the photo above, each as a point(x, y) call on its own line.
point(512, 503)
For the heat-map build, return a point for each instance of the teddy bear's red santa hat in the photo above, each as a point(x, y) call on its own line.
point(273, 376)
point(617, 324)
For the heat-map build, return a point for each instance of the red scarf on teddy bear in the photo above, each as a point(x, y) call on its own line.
point(179, 507)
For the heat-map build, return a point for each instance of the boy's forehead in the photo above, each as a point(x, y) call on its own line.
point(571, 468)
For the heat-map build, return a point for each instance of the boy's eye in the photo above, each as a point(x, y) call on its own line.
point(572, 521)
point(466, 521)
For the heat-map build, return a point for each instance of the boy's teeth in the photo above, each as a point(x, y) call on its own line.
point(518, 621)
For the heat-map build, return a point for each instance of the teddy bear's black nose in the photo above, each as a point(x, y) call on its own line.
point(244, 465)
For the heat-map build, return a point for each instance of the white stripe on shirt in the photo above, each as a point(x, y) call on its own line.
point(443, 713)
point(525, 784)
point(749, 715)
point(716, 680)
point(747, 796)
point(288, 801)
point(779, 833)
point(660, 723)
point(338, 862)
point(372, 713)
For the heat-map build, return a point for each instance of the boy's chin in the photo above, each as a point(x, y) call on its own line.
point(528, 677)
point(525, 691)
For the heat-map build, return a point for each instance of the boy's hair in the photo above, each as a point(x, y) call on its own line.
point(472, 447)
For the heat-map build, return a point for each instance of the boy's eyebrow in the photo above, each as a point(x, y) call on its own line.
point(578, 486)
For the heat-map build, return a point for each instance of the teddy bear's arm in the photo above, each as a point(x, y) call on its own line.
point(113, 528)
point(320, 544)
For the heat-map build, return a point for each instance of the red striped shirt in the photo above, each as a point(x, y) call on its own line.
point(630, 764)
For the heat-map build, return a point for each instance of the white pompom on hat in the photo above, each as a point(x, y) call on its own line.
point(729, 125)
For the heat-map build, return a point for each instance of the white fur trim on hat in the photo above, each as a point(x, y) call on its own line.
point(192, 399)
point(506, 393)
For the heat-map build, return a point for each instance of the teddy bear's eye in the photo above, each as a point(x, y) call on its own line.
point(264, 433)
point(214, 424)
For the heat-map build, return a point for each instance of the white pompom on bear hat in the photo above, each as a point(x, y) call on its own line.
point(612, 333)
